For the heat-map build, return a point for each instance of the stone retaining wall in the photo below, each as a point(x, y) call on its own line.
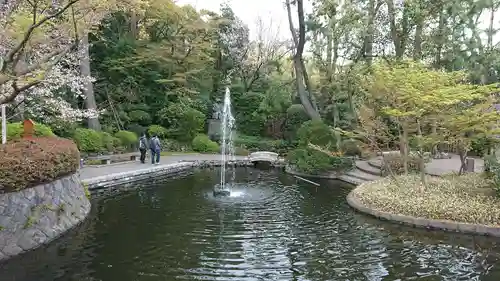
point(422, 222)
point(38, 215)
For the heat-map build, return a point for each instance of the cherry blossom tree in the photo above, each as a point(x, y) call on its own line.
point(41, 52)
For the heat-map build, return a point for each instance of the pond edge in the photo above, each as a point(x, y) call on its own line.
point(164, 171)
point(431, 224)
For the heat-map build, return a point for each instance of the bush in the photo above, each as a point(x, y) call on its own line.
point(295, 116)
point(16, 130)
point(63, 129)
point(182, 121)
point(201, 143)
point(318, 133)
point(241, 151)
point(253, 144)
point(173, 145)
point(481, 146)
point(395, 162)
point(28, 162)
point(351, 147)
point(108, 142)
point(88, 140)
point(492, 171)
point(158, 130)
point(128, 139)
point(311, 161)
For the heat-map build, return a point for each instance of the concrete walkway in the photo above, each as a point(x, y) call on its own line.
point(89, 172)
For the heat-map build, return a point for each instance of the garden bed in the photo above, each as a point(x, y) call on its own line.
point(466, 198)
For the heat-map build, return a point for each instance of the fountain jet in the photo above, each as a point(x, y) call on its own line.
point(227, 147)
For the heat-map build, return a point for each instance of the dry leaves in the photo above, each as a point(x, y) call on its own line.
point(465, 198)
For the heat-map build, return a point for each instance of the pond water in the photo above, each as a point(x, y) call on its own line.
point(274, 229)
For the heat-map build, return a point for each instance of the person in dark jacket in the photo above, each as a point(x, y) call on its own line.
point(155, 147)
point(143, 147)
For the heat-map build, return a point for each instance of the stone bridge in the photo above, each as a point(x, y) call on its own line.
point(263, 156)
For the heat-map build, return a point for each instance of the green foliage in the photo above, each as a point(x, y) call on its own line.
point(318, 133)
point(295, 117)
point(109, 143)
point(182, 121)
point(128, 139)
point(312, 161)
point(140, 117)
point(16, 130)
point(63, 129)
point(202, 143)
point(88, 140)
point(253, 143)
point(158, 130)
point(492, 171)
point(481, 146)
point(351, 147)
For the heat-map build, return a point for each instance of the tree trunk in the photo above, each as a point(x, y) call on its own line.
point(301, 77)
point(370, 30)
point(404, 147)
point(90, 103)
point(421, 160)
point(417, 44)
point(397, 36)
point(302, 92)
point(463, 161)
point(441, 37)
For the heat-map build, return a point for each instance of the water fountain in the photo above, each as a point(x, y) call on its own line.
point(227, 147)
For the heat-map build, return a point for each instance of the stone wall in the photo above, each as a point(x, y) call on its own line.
point(38, 215)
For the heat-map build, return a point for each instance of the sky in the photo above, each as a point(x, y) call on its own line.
point(272, 12)
point(274, 16)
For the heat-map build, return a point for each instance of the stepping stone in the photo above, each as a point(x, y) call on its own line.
point(375, 163)
point(351, 180)
point(364, 166)
point(362, 175)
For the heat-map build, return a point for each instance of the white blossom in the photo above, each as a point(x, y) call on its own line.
point(46, 100)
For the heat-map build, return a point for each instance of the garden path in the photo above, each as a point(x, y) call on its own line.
point(89, 172)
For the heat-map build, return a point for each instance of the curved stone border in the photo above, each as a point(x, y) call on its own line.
point(167, 170)
point(445, 225)
point(36, 216)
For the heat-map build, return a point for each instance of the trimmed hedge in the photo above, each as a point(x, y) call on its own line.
point(202, 143)
point(16, 130)
point(28, 162)
point(311, 161)
point(128, 139)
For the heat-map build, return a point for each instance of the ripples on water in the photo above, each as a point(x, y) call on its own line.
point(272, 228)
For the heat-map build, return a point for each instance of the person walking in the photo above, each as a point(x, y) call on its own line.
point(143, 147)
point(155, 146)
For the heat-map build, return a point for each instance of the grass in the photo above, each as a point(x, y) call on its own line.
point(467, 198)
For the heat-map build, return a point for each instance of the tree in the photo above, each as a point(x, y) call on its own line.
point(304, 88)
point(415, 98)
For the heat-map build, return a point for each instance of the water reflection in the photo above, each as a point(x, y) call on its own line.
point(274, 230)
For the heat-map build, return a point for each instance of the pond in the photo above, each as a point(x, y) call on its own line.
point(275, 228)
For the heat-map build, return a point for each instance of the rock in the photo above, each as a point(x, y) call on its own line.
point(12, 250)
point(31, 238)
